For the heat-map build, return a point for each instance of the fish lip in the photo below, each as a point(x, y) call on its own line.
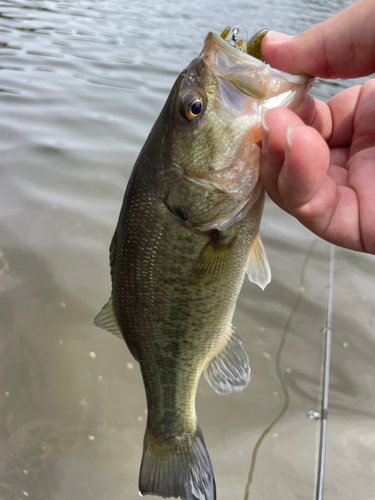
point(224, 59)
point(215, 39)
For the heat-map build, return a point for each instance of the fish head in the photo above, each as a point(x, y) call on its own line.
point(213, 136)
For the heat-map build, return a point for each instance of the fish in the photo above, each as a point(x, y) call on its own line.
point(187, 234)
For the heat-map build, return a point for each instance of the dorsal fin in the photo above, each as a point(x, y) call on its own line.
point(229, 370)
point(106, 319)
point(112, 253)
point(258, 270)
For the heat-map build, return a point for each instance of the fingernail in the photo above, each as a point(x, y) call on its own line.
point(276, 37)
point(289, 134)
point(265, 130)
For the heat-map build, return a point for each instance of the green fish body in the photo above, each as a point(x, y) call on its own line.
point(187, 233)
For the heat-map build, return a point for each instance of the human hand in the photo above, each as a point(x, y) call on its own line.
point(320, 166)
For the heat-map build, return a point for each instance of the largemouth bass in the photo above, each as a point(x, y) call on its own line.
point(187, 233)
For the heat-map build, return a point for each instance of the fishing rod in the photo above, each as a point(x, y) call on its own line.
point(323, 416)
point(313, 415)
point(324, 384)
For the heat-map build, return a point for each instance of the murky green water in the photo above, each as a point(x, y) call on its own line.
point(81, 83)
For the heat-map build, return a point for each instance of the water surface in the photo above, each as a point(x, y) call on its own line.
point(81, 83)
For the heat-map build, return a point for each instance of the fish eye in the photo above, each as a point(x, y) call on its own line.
point(192, 106)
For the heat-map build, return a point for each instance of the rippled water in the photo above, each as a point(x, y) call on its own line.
point(80, 85)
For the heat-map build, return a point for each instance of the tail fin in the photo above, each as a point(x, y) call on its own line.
point(178, 468)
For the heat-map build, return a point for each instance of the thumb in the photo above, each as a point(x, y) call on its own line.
point(343, 46)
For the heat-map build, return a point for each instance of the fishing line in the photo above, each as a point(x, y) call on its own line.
point(325, 382)
point(279, 375)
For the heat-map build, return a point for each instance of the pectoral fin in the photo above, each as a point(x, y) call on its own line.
point(229, 370)
point(258, 270)
point(213, 259)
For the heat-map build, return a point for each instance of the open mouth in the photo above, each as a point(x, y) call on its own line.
point(235, 62)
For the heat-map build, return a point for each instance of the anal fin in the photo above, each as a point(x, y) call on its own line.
point(229, 370)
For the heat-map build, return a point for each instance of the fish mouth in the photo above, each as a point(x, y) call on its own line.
point(250, 75)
